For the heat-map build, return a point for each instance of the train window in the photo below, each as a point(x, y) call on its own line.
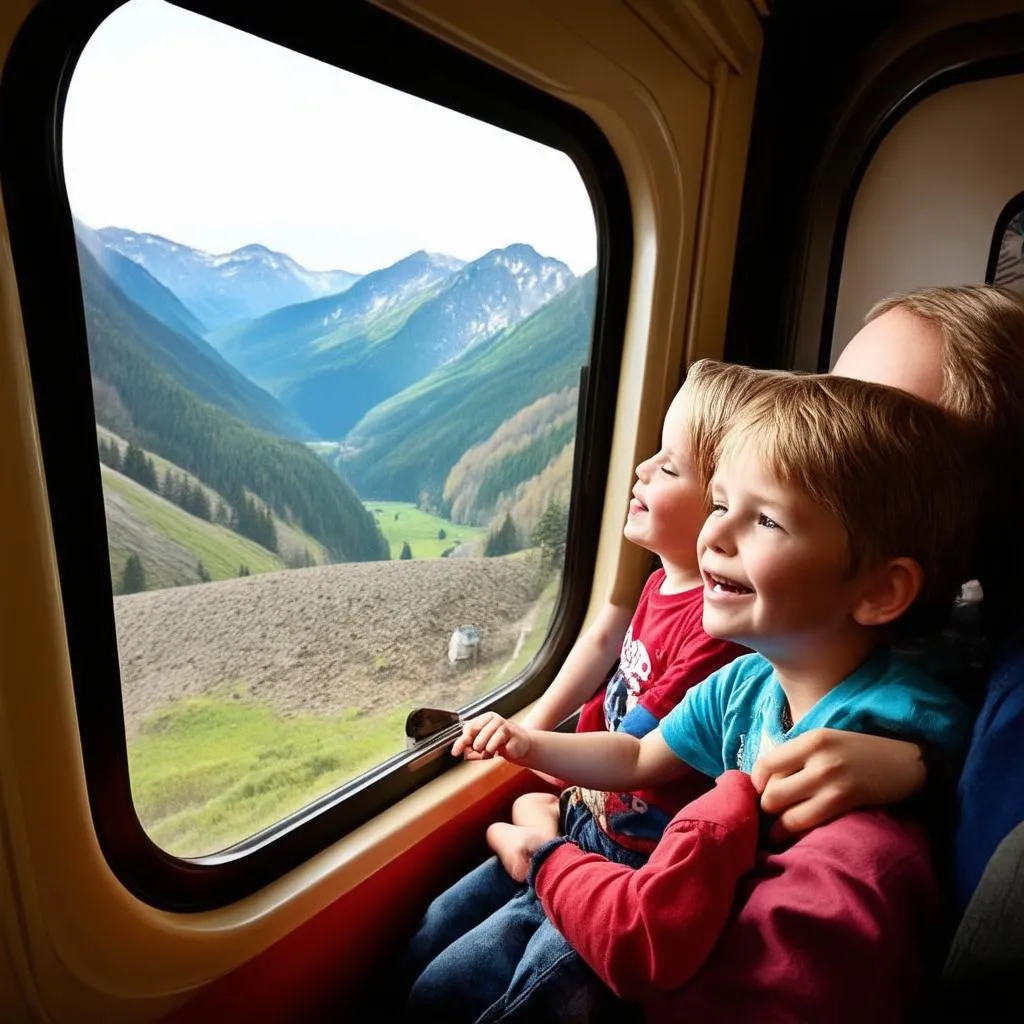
point(1006, 254)
point(336, 406)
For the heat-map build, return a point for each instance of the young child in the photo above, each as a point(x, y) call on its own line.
point(662, 649)
point(839, 516)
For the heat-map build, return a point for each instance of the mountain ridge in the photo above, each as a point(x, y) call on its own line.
point(222, 288)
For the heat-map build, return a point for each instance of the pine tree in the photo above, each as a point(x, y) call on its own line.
point(134, 461)
point(406, 551)
point(504, 542)
point(243, 570)
point(204, 576)
point(549, 535)
point(441, 535)
point(148, 478)
point(133, 579)
point(202, 502)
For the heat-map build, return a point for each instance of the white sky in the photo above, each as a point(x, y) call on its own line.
point(186, 128)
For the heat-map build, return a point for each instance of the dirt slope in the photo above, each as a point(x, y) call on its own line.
point(365, 635)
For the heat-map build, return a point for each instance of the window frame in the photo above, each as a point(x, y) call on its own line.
point(367, 41)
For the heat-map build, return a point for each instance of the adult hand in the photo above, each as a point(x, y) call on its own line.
point(826, 772)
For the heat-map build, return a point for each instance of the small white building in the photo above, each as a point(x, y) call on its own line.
point(464, 645)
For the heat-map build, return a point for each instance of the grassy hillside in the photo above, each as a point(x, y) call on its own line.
point(492, 472)
point(402, 521)
point(292, 542)
point(408, 444)
point(220, 550)
point(219, 449)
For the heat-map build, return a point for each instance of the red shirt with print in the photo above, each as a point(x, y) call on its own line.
point(664, 653)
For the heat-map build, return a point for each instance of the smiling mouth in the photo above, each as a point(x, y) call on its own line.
point(724, 585)
point(636, 505)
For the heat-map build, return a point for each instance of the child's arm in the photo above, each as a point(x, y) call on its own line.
point(583, 670)
point(826, 772)
point(598, 760)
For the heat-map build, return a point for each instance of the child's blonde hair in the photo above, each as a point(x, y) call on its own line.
point(895, 470)
point(712, 393)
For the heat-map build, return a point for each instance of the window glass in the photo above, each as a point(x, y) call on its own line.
point(335, 334)
point(1009, 257)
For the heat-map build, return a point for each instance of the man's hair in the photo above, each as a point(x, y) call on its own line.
point(895, 470)
point(712, 394)
point(981, 328)
point(982, 332)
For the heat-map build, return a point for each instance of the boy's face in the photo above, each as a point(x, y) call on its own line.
point(775, 563)
point(669, 505)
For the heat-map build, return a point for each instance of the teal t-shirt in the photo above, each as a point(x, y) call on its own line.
point(736, 714)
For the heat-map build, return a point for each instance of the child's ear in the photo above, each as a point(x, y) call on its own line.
point(888, 592)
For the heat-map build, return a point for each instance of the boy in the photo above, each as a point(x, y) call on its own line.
point(668, 508)
point(838, 516)
point(662, 650)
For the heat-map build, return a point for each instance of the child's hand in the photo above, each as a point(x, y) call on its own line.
point(490, 735)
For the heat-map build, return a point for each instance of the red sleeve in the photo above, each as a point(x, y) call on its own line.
point(654, 927)
point(837, 927)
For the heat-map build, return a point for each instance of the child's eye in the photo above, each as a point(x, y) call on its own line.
point(764, 520)
point(669, 471)
point(717, 508)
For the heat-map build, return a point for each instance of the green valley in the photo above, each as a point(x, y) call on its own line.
point(402, 522)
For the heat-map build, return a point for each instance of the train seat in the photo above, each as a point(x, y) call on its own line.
point(986, 957)
point(990, 794)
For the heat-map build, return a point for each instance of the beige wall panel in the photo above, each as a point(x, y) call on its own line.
point(927, 206)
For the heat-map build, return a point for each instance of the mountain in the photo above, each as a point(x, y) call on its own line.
point(225, 288)
point(484, 298)
point(187, 358)
point(491, 475)
point(144, 363)
point(408, 444)
point(297, 340)
point(141, 286)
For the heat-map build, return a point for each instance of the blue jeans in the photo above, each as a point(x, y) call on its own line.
point(486, 953)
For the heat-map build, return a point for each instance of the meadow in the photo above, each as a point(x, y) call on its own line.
point(209, 771)
point(402, 522)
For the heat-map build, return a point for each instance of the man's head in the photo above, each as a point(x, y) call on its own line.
point(962, 348)
point(959, 347)
point(888, 471)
